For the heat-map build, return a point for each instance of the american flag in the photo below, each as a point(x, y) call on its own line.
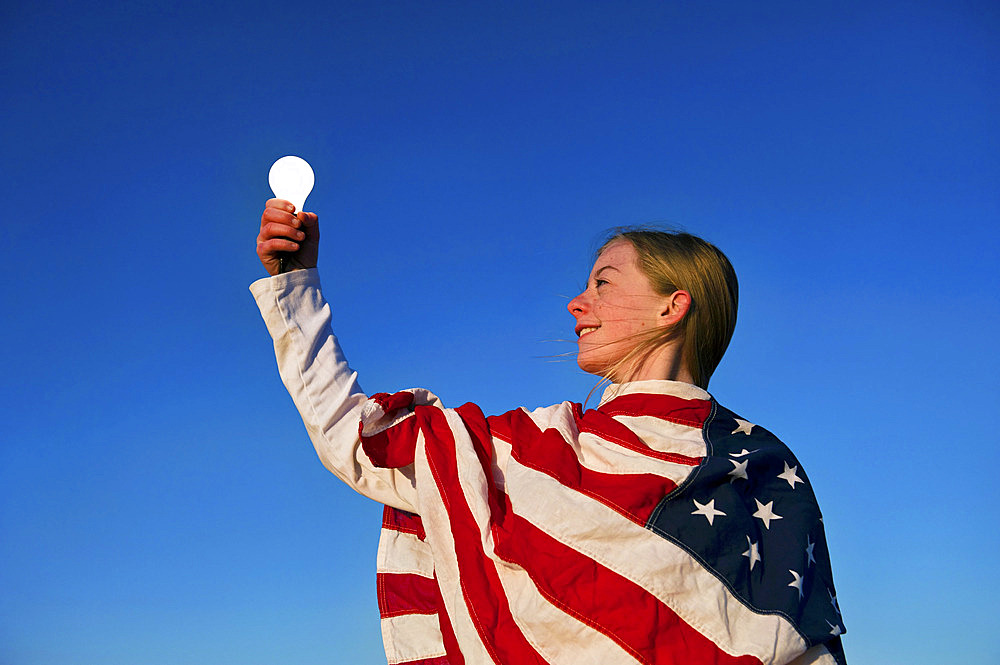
point(658, 528)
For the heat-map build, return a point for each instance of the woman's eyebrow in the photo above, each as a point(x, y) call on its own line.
point(598, 274)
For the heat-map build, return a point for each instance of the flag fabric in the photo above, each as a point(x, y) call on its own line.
point(657, 528)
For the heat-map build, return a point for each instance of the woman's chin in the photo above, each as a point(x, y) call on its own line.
point(596, 366)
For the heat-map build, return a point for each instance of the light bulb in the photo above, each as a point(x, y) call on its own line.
point(291, 178)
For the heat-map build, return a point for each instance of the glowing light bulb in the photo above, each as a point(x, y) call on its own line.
point(291, 178)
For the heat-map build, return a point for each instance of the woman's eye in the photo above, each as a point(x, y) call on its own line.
point(600, 282)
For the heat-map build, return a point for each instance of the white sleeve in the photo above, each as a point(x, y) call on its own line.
point(322, 385)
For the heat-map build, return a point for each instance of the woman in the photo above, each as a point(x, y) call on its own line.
point(657, 528)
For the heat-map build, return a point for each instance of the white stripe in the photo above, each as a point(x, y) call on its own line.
point(652, 562)
point(558, 417)
point(599, 454)
point(604, 456)
point(654, 387)
point(401, 552)
point(501, 455)
point(666, 437)
point(412, 637)
point(438, 529)
point(471, 478)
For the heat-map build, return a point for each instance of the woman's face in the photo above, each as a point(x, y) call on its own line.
point(618, 303)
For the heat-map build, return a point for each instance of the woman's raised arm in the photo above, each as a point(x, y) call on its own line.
point(310, 361)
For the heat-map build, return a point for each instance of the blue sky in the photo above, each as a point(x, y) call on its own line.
point(159, 500)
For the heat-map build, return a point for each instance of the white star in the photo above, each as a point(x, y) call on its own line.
point(834, 629)
point(765, 513)
point(744, 452)
point(708, 510)
point(739, 470)
point(796, 582)
point(753, 554)
point(809, 550)
point(833, 601)
point(743, 426)
point(789, 475)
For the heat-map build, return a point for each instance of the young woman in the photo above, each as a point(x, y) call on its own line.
point(657, 528)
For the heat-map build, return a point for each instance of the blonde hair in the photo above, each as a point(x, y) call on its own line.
point(678, 261)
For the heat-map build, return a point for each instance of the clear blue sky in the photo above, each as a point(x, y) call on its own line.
point(159, 500)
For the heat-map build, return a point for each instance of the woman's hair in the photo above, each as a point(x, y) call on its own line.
point(673, 261)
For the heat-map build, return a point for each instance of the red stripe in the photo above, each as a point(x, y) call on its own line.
point(392, 448)
point(451, 647)
point(691, 412)
point(484, 596)
point(389, 403)
point(634, 496)
point(395, 519)
point(396, 592)
point(606, 427)
point(628, 614)
point(404, 593)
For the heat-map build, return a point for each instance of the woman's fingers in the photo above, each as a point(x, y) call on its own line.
point(268, 248)
point(309, 223)
point(287, 235)
point(279, 216)
point(270, 230)
point(280, 204)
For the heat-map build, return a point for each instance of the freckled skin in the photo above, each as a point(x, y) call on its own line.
point(620, 302)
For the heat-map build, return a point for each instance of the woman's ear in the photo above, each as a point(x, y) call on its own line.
point(675, 306)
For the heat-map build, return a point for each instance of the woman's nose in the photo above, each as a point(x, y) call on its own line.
point(577, 305)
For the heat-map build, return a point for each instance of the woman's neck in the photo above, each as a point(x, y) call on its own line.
point(666, 363)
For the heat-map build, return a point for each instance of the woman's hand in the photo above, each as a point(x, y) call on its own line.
point(287, 241)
